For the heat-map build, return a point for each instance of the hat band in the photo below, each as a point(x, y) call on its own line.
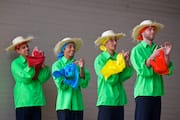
point(61, 54)
point(140, 37)
point(102, 47)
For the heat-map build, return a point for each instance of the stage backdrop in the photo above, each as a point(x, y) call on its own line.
point(51, 20)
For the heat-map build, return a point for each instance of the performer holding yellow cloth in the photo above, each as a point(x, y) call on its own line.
point(112, 70)
point(113, 66)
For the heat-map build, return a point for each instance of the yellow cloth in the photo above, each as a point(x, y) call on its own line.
point(102, 47)
point(113, 66)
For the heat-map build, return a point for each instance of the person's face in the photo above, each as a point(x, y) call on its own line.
point(111, 44)
point(69, 51)
point(149, 33)
point(23, 49)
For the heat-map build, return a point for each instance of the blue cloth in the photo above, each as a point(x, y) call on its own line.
point(61, 54)
point(70, 74)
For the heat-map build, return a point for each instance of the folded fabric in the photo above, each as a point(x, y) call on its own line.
point(70, 74)
point(113, 66)
point(159, 64)
point(36, 60)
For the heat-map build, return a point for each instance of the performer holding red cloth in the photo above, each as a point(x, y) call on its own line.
point(151, 62)
point(30, 74)
point(159, 64)
point(36, 60)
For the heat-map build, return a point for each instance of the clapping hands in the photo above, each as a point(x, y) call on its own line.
point(126, 55)
point(167, 46)
point(80, 62)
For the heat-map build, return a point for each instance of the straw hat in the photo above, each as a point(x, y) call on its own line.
point(106, 35)
point(18, 40)
point(78, 43)
point(143, 24)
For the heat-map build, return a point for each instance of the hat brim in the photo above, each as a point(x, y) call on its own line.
point(101, 40)
point(12, 47)
point(78, 43)
point(138, 28)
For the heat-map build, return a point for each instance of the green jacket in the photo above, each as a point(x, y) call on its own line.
point(111, 92)
point(68, 97)
point(28, 92)
point(148, 83)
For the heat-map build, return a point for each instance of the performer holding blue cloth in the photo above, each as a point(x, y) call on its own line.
point(70, 75)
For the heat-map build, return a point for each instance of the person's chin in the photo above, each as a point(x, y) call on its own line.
point(151, 39)
point(27, 54)
point(114, 48)
point(71, 55)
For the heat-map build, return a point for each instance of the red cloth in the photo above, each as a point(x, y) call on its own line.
point(141, 31)
point(36, 60)
point(159, 64)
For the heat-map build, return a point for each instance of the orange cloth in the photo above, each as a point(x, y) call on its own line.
point(159, 64)
point(141, 31)
point(36, 60)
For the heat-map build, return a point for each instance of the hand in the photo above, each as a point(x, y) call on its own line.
point(36, 52)
point(126, 55)
point(167, 48)
point(43, 65)
point(155, 53)
point(81, 63)
point(76, 62)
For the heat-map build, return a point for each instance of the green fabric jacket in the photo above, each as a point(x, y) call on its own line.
point(68, 97)
point(148, 83)
point(111, 92)
point(28, 92)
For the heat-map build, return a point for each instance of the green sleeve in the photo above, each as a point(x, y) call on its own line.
point(22, 74)
point(44, 74)
point(126, 73)
point(84, 81)
point(171, 68)
point(98, 64)
point(113, 79)
point(139, 64)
